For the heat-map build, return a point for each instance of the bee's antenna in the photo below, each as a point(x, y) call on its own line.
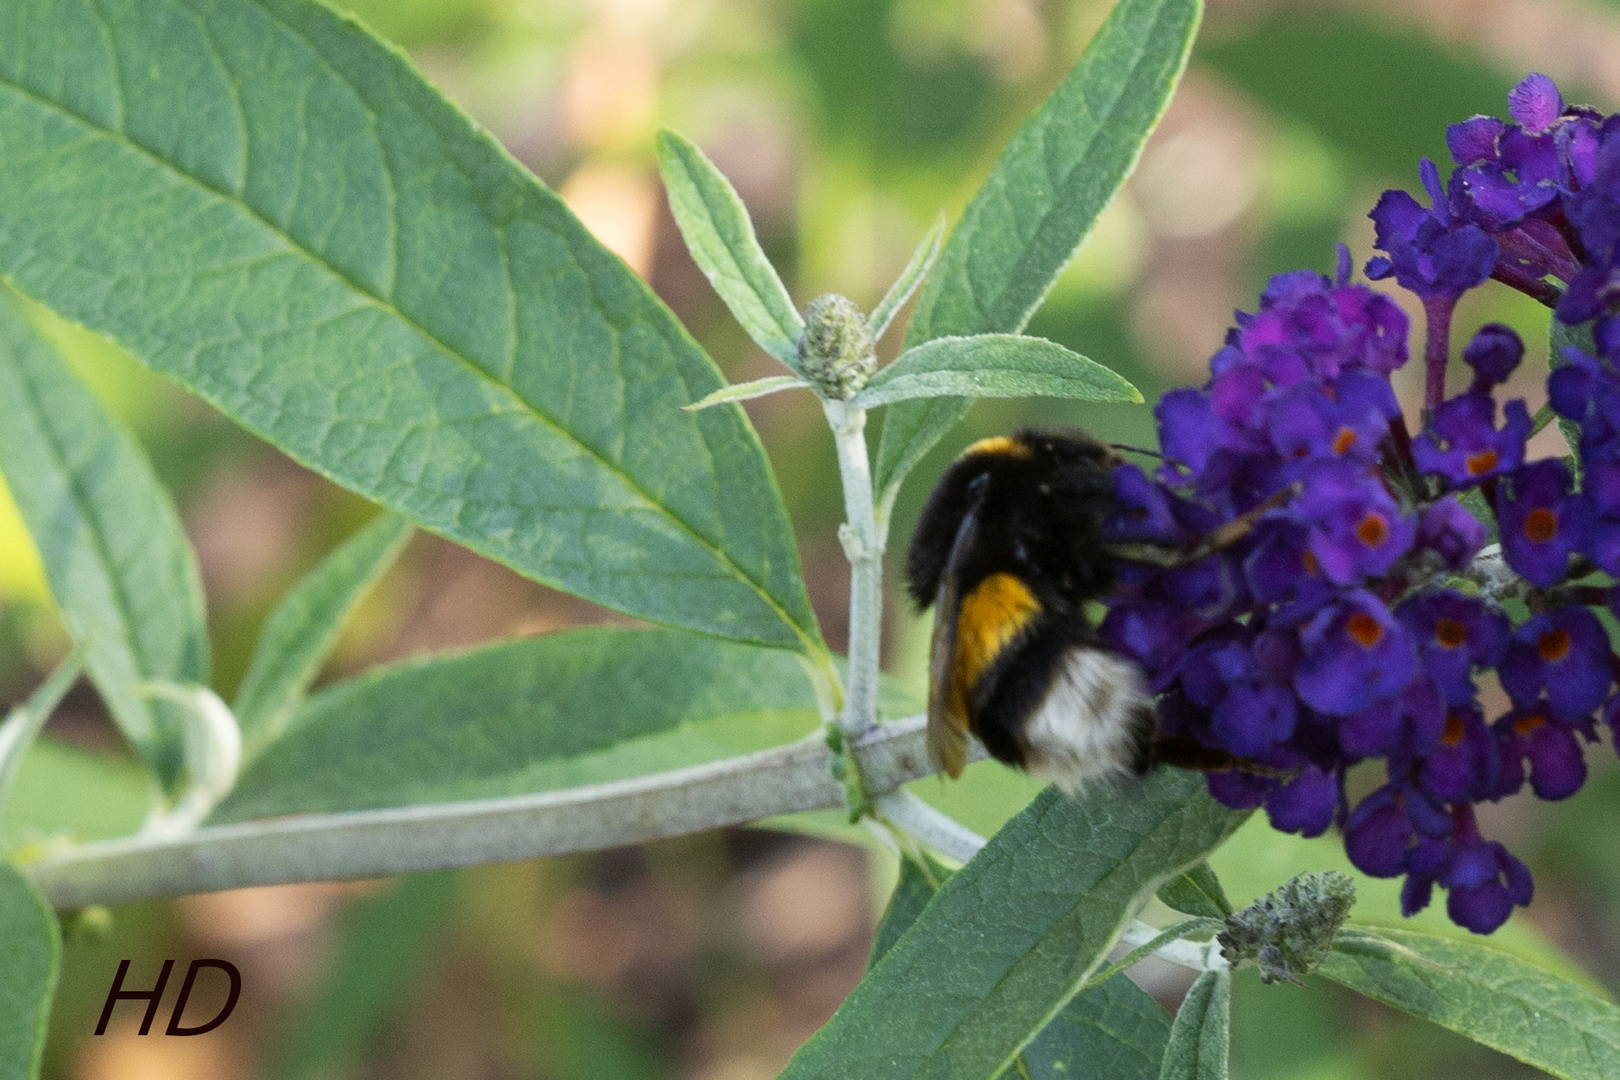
point(1137, 450)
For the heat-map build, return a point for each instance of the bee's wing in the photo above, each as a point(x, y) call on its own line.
point(947, 697)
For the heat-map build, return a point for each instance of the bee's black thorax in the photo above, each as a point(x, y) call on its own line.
point(1042, 502)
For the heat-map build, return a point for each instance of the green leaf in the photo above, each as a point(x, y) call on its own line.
point(1043, 196)
point(384, 942)
point(1489, 996)
point(748, 390)
point(30, 959)
point(534, 714)
point(115, 554)
point(1113, 1029)
point(917, 268)
point(22, 725)
point(993, 365)
point(304, 626)
point(721, 238)
point(918, 883)
point(1197, 892)
point(64, 791)
point(1201, 1038)
point(1014, 934)
point(264, 202)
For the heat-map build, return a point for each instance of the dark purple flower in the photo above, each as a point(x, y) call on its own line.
point(1450, 531)
point(1378, 833)
point(1251, 719)
point(1464, 767)
point(1306, 422)
point(1355, 654)
point(1564, 653)
point(1463, 445)
point(1454, 635)
point(1493, 354)
point(1557, 764)
point(1540, 523)
point(1144, 513)
point(1356, 529)
point(1412, 723)
point(1427, 252)
point(1305, 804)
point(1601, 487)
point(1238, 790)
point(1484, 883)
point(1587, 391)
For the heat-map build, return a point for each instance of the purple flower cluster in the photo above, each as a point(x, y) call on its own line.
point(1335, 605)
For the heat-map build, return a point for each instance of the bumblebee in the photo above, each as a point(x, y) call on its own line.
point(1008, 551)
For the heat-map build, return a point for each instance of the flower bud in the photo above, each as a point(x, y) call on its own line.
point(1290, 931)
point(836, 351)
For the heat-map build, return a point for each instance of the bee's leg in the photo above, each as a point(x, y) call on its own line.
point(1183, 752)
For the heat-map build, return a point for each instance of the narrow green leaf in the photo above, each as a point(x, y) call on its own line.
point(384, 942)
point(304, 626)
point(916, 271)
point(1112, 1029)
point(115, 554)
point(262, 201)
point(993, 365)
point(30, 959)
point(23, 724)
point(1197, 892)
point(721, 238)
point(748, 390)
point(534, 714)
point(1201, 1038)
point(918, 883)
point(1013, 935)
point(1043, 196)
point(1489, 996)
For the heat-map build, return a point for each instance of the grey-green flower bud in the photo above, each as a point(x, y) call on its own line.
point(836, 351)
point(1290, 931)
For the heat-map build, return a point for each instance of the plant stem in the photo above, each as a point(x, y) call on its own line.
point(864, 549)
point(370, 843)
point(903, 810)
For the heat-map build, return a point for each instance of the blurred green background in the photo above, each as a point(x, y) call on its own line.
point(845, 125)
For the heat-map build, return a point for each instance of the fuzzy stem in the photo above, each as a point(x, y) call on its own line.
point(864, 548)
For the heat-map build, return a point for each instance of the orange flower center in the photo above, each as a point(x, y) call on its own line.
point(1454, 730)
point(1450, 633)
point(1312, 567)
point(1345, 440)
point(1524, 725)
point(1365, 629)
point(1373, 529)
point(1540, 526)
point(1553, 645)
point(1482, 462)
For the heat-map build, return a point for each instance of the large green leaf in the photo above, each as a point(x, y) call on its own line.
point(994, 365)
point(30, 956)
point(1046, 191)
point(262, 201)
point(1489, 996)
point(115, 555)
point(1200, 1041)
point(1014, 935)
point(1113, 1029)
point(302, 629)
point(721, 238)
point(534, 714)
